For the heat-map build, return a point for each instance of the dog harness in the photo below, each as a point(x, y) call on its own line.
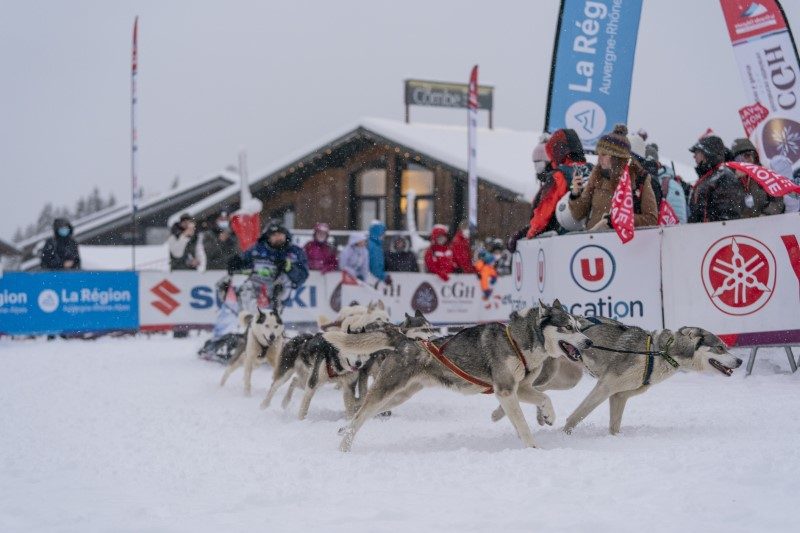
point(438, 354)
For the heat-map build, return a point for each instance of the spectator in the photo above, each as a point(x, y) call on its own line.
point(462, 251)
point(641, 168)
point(182, 243)
point(792, 200)
point(487, 273)
point(593, 199)
point(718, 194)
point(671, 186)
point(755, 201)
point(400, 258)
point(502, 262)
point(439, 256)
point(60, 251)
point(552, 186)
point(355, 257)
point(274, 255)
point(321, 254)
point(565, 151)
point(377, 230)
point(219, 243)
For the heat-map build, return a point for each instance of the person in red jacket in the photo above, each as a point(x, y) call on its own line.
point(462, 251)
point(439, 256)
point(565, 153)
point(321, 255)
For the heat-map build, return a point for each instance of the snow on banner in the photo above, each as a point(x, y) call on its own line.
point(770, 72)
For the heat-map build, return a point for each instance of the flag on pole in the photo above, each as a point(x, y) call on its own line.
point(472, 125)
point(135, 189)
point(666, 215)
point(246, 221)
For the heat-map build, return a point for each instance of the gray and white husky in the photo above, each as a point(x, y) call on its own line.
point(263, 343)
point(495, 358)
point(621, 375)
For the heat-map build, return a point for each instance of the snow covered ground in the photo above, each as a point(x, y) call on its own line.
point(136, 435)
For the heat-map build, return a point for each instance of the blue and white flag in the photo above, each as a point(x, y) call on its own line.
point(590, 78)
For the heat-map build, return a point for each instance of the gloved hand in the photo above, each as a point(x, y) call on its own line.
point(388, 279)
point(604, 224)
point(487, 294)
point(492, 280)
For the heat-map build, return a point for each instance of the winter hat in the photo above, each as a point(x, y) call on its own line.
point(651, 152)
point(539, 151)
point(713, 147)
point(741, 146)
point(616, 143)
point(638, 146)
point(564, 143)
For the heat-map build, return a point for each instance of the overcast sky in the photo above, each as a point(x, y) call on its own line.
point(275, 76)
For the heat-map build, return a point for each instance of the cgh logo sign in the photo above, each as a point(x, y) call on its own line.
point(738, 274)
point(592, 268)
point(164, 291)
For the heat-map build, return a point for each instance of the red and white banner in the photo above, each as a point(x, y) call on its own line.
point(773, 183)
point(666, 215)
point(770, 72)
point(246, 222)
point(472, 142)
point(739, 279)
point(136, 191)
point(622, 208)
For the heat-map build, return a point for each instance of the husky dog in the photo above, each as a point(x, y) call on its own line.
point(621, 375)
point(486, 358)
point(355, 316)
point(263, 342)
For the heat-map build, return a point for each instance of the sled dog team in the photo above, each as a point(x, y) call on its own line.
point(539, 349)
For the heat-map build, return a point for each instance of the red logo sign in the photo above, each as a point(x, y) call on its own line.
point(164, 291)
point(540, 263)
point(752, 116)
point(739, 274)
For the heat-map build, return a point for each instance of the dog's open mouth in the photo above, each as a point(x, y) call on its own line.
point(719, 366)
point(570, 351)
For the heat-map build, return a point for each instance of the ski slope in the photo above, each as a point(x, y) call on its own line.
point(134, 435)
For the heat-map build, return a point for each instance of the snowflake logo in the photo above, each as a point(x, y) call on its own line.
point(739, 274)
point(786, 140)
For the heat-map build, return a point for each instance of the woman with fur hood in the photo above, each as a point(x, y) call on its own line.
point(592, 200)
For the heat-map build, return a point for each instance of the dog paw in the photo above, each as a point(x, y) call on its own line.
point(264, 404)
point(568, 429)
point(546, 415)
point(498, 414)
point(385, 414)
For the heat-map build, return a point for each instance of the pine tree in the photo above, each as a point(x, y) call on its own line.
point(18, 235)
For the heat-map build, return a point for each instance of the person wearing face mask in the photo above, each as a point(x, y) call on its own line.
point(718, 194)
point(219, 243)
point(60, 251)
point(592, 200)
point(321, 254)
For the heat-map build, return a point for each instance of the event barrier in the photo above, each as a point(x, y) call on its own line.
point(740, 279)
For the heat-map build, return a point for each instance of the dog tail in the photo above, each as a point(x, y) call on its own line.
point(359, 343)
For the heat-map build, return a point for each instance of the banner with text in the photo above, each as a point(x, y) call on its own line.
point(590, 78)
point(68, 302)
point(770, 73)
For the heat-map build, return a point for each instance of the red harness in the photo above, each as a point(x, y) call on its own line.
point(331, 372)
point(438, 353)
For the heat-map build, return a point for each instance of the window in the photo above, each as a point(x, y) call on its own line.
point(371, 196)
point(420, 180)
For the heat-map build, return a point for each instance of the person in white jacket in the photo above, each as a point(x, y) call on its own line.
point(185, 250)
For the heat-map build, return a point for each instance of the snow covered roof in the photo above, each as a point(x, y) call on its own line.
point(6, 248)
point(503, 156)
point(88, 226)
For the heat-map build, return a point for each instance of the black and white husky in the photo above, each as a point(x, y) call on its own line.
point(263, 343)
point(489, 358)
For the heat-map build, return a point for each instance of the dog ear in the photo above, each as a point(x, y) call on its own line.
point(513, 316)
point(261, 317)
point(278, 319)
point(408, 317)
point(418, 314)
point(380, 305)
point(557, 304)
point(544, 309)
point(247, 319)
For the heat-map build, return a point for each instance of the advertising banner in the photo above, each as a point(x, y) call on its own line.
point(67, 302)
point(768, 65)
point(740, 279)
point(593, 274)
point(590, 80)
point(188, 298)
point(456, 301)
